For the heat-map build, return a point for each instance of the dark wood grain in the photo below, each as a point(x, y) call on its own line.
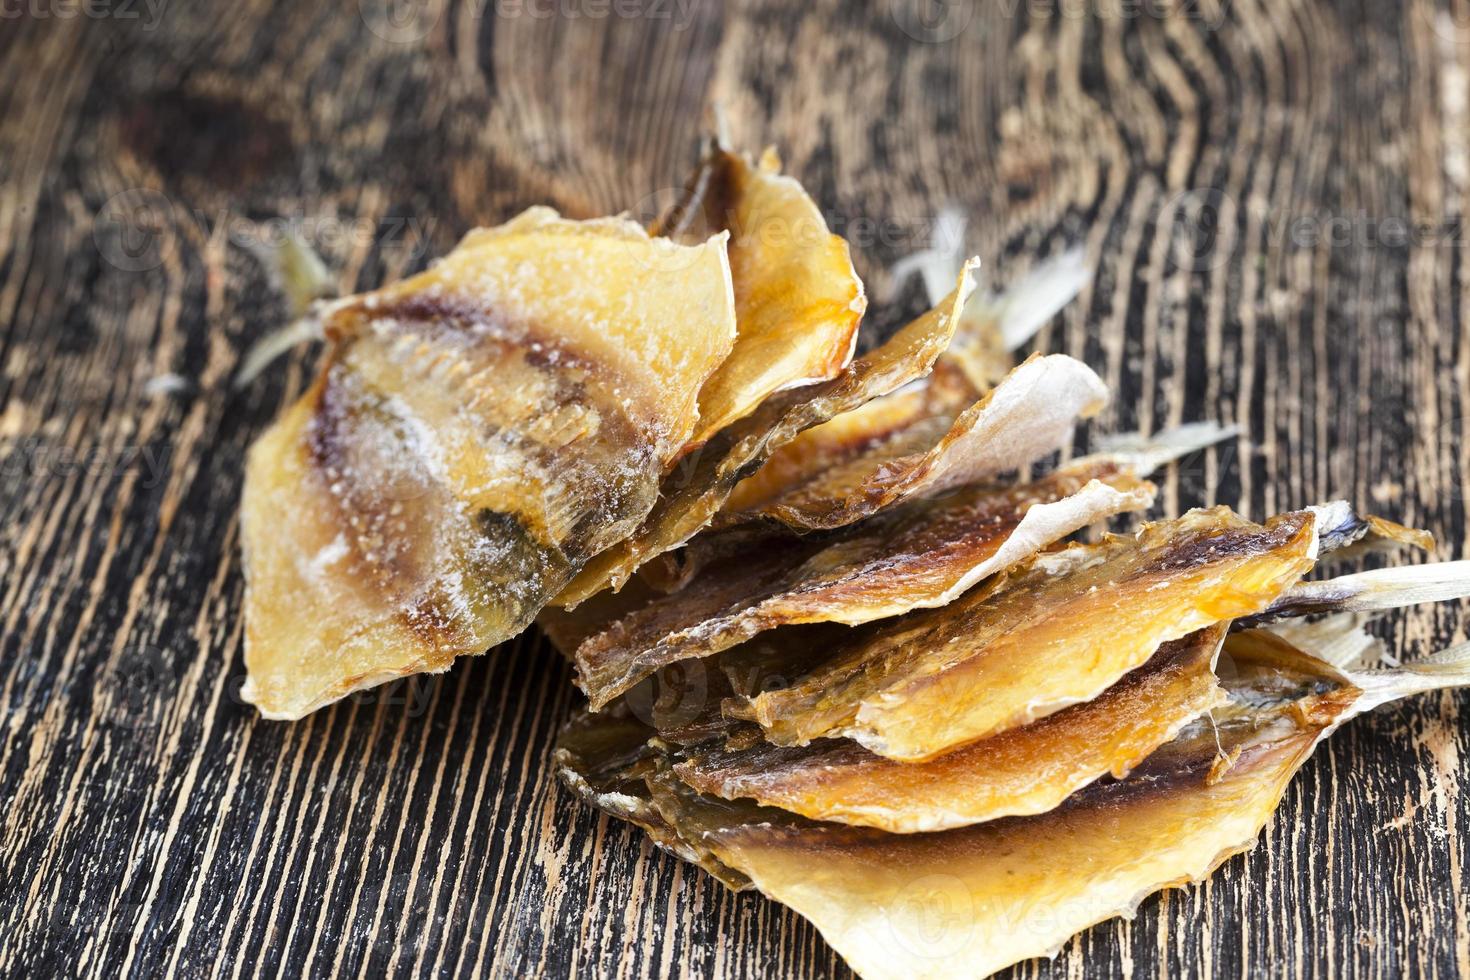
point(1240, 171)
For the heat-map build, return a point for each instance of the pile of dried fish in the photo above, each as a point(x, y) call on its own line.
point(837, 641)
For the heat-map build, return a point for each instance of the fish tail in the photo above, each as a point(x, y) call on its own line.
point(1144, 454)
point(1445, 669)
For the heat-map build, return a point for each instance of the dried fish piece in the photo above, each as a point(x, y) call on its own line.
point(692, 494)
point(912, 557)
point(919, 555)
point(1371, 591)
point(798, 299)
point(906, 421)
point(994, 324)
point(1056, 630)
point(1033, 411)
point(972, 901)
point(1022, 771)
point(478, 432)
point(604, 760)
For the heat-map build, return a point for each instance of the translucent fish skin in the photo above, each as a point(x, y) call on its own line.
point(1032, 412)
point(917, 556)
point(798, 300)
point(895, 424)
point(604, 760)
point(478, 432)
point(1055, 631)
point(974, 900)
point(694, 492)
point(970, 902)
point(1023, 771)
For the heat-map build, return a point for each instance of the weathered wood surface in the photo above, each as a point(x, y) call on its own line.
point(1242, 171)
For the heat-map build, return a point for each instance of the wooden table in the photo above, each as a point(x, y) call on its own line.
point(1271, 191)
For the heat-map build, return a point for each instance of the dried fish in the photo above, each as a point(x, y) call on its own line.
point(1056, 630)
point(798, 299)
point(478, 432)
point(693, 493)
point(1381, 588)
point(1032, 412)
point(994, 324)
point(916, 556)
point(604, 759)
point(974, 900)
point(913, 557)
point(909, 420)
point(1023, 771)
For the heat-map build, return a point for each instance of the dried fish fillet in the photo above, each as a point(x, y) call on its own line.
point(694, 492)
point(1031, 413)
point(906, 421)
point(972, 901)
point(919, 555)
point(798, 299)
point(604, 760)
point(1133, 453)
point(996, 324)
point(914, 557)
point(478, 432)
point(1023, 771)
point(1056, 630)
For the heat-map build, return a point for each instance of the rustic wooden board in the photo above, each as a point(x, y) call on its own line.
point(1242, 171)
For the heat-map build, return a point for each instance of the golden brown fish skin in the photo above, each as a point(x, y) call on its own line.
point(1031, 413)
point(1023, 771)
point(604, 760)
point(916, 555)
point(798, 299)
point(474, 437)
point(1057, 630)
point(973, 900)
point(694, 492)
point(822, 448)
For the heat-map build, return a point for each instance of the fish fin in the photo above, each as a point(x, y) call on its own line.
point(1144, 454)
point(1446, 669)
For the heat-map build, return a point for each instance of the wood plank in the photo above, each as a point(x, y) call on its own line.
point(1240, 173)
